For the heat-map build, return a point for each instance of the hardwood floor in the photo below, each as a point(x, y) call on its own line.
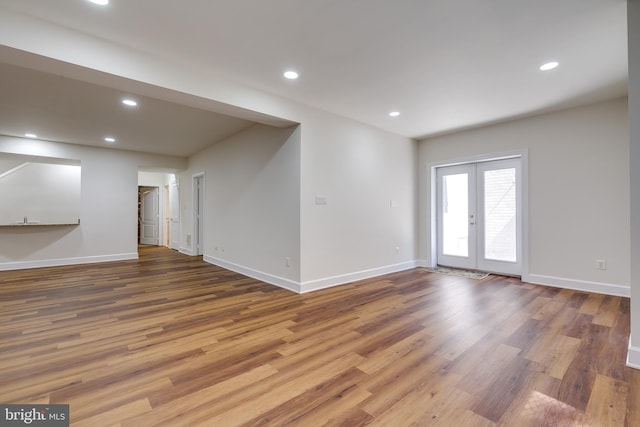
point(169, 340)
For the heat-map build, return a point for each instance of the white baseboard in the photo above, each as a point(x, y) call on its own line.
point(186, 251)
point(633, 356)
point(327, 282)
point(578, 285)
point(255, 274)
point(314, 285)
point(21, 265)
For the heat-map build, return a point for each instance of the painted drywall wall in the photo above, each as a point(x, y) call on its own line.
point(357, 201)
point(252, 203)
point(355, 237)
point(108, 212)
point(633, 25)
point(578, 191)
point(330, 202)
point(154, 179)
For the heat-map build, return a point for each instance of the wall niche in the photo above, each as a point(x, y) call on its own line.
point(38, 191)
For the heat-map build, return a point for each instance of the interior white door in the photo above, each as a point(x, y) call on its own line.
point(479, 218)
point(174, 216)
point(149, 218)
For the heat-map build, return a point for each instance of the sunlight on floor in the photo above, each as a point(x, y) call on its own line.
point(542, 410)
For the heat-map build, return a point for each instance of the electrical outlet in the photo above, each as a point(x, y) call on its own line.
point(601, 264)
point(287, 262)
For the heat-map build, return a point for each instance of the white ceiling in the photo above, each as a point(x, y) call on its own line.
point(445, 65)
point(60, 109)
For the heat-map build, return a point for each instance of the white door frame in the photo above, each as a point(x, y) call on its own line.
point(432, 226)
point(166, 220)
point(174, 216)
point(197, 235)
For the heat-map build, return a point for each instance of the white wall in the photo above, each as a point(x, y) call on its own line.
point(154, 179)
point(252, 203)
point(633, 18)
point(361, 172)
point(578, 191)
point(260, 202)
point(356, 236)
point(108, 213)
point(577, 165)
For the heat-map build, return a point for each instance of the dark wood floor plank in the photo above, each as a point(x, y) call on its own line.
point(577, 382)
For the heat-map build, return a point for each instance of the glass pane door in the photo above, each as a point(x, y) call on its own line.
point(499, 216)
point(456, 216)
point(478, 216)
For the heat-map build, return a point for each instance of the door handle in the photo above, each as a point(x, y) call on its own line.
point(472, 220)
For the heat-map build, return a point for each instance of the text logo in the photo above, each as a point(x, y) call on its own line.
point(34, 415)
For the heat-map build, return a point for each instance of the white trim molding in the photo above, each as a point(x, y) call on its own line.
point(314, 285)
point(311, 285)
point(198, 208)
point(633, 356)
point(578, 285)
point(425, 263)
point(21, 265)
point(255, 274)
point(186, 251)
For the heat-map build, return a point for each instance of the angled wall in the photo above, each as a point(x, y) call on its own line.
point(251, 204)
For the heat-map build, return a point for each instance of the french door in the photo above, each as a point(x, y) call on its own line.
point(479, 216)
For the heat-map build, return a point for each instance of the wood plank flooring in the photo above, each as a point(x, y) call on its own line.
point(168, 340)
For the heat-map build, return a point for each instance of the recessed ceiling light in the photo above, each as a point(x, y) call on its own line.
point(129, 102)
point(100, 2)
point(30, 135)
point(549, 66)
point(291, 75)
point(110, 139)
point(394, 113)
